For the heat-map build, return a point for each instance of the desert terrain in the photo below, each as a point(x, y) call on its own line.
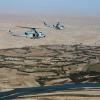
point(78, 29)
point(63, 56)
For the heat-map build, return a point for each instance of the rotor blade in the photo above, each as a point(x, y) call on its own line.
point(32, 28)
point(27, 27)
point(24, 27)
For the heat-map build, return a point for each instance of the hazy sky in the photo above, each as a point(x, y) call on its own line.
point(50, 6)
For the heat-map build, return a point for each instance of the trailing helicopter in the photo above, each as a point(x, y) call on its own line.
point(57, 26)
point(32, 34)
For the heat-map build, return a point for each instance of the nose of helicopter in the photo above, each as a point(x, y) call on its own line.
point(43, 35)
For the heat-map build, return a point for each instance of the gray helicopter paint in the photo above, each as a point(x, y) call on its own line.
point(33, 33)
point(58, 26)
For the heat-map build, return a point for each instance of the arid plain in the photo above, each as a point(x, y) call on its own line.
point(78, 29)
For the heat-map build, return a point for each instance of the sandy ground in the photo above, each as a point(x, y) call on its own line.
point(77, 30)
point(67, 95)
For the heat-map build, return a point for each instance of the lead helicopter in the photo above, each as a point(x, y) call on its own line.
point(32, 34)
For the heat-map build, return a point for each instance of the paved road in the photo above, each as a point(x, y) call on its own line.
point(35, 90)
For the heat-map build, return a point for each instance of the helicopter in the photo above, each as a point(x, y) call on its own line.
point(57, 26)
point(32, 34)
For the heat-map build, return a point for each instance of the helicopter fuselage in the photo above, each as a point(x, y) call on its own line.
point(33, 34)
